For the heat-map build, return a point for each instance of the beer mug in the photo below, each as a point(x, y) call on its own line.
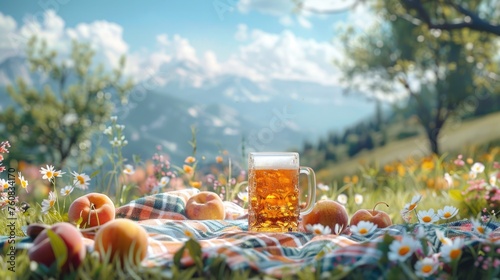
point(273, 191)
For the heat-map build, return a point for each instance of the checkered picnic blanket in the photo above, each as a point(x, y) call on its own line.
point(274, 254)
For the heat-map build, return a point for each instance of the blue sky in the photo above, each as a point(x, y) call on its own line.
point(208, 25)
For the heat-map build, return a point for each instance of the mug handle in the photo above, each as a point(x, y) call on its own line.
point(311, 189)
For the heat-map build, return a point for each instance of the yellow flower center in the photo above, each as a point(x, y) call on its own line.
point(455, 253)
point(49, 174)
point(363, 231)
point(317, 231)
point(447, 215)
point(6, 185)
point(427, 219)
point(24, 183)
point(412, 206)
point(426, 268)
point(480, 229)
point(51, 203)
point(80, 179)
point(404, 250)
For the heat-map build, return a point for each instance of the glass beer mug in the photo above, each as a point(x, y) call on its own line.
point(273, 191)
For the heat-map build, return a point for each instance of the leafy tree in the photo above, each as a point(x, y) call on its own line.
point(439, 70)
point(478, 15)
point(55, 123)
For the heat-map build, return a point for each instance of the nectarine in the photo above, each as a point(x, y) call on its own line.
point(43, 252)
point(205, 206)
point(327, 213)
point(94, 209)
point(120, 238)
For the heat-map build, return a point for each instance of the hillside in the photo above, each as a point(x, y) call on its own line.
point(467, 134)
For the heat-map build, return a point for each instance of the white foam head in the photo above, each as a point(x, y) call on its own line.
point(273, 160)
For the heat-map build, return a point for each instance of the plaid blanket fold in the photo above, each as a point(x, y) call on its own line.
point(275, 254)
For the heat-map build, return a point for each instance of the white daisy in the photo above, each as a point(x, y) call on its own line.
point(427, 217)
point(358, 199)
point(128, 169)
point(164, 181)
point(81, 180)
point(323, 187)
point(24, 183)
point(479, 227)
point(47, 204)
point(66, 190)
point(453, 251)
point(363, 228)
point(319, 229)
point(402, 250)
point(447, 212)
point(477, 168)
point(243, 196)
point(443, 239)
point(413, 204)
point(342, 198)
point(426, 267)
point(48, 173)
point(4, 184)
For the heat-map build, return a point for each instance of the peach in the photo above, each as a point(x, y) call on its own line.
point(327, 213)
point(121, 237)
point(205, 206)
point(43, 252)
point(94, 209)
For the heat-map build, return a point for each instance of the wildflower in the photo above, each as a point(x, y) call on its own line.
point(243, 196)
point(108, 131)
point(113, 118)
point(479, 227)
point(402, 250)
point(47, 204)
point(448, 179)
point(4, 184)
point(338, 229)
point(323, 187)
point(188, 169)
point(128, 169)
point(47, 173)
point(190, 160)
point(447, 212)
point(427, 217)
point(189, 233)
point(440, 236)
point(493, 179)
point(164, 181)
point(459, 161)
point(363, 228)
point(477, 168)
point(195, 184)
point(115, 142)
point(413, 204)
point(23, 182)
point(452, 252)
point(66, 190)
point(81, 181)
point(219, 159)
point(358, 199)
point(342, 198)
point(426, 267)
point(318, 229)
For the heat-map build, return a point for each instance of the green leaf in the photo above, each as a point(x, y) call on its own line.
point(456, 195)
point(58, 247)
point(95, 173)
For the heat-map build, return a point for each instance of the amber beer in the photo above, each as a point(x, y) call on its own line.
point(274, 191)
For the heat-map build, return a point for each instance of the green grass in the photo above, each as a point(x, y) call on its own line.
point(456, 138)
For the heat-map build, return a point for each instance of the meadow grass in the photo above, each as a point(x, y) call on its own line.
point(468, 182)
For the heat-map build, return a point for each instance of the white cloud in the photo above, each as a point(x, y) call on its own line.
point(275, 7)
point(8, 42)
point(261, 57)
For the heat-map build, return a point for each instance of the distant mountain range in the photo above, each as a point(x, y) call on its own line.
point(226, 110)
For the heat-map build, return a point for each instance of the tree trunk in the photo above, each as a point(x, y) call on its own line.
point(433, 135)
